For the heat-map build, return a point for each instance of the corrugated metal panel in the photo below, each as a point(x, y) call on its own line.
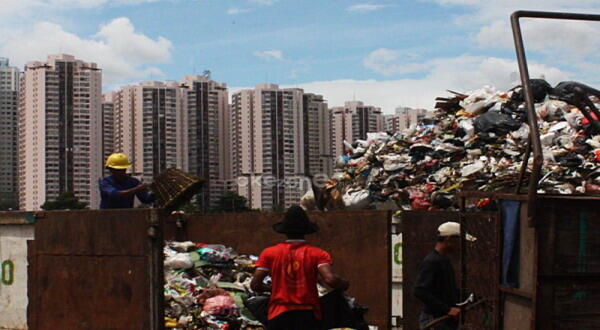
point(358, 241)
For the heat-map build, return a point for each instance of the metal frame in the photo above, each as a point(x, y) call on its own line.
point(534, 143)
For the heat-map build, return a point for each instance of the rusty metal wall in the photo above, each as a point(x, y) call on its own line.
point(359, 243)
point(419, 234)
point(481, 268)
point(94, 270)
point(569, 265)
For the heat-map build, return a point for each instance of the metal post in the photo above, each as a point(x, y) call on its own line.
point(531, 114)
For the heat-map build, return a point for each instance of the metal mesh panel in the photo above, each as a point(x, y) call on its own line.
point(481, 269)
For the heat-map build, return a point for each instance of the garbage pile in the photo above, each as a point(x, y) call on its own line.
point(205, 286)
point(473, 141)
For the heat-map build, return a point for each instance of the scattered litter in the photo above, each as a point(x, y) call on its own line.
point(205, 286)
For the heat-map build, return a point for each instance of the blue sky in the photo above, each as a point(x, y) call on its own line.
point(387, 53)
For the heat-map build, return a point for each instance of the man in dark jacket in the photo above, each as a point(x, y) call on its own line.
point(436, 283)
point(117, 191)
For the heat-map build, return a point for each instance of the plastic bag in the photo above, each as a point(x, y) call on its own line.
point(357, 200)
point(522, 133)
point(496, 122)
point(259, 307)
point(472, 169)
point(222, 305)
point(182, 246)
point(308, 201)
point(480, 100)
point(539, 88)
point(179, 261)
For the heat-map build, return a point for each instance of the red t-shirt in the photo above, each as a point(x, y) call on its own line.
point(294, 274)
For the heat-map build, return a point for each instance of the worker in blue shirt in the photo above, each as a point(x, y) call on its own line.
point(118, 189)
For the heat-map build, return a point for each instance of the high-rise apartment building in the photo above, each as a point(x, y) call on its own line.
point(206, 107)
point(149, 127)
point(60, 146)
point(9, 88)
point(108, 127)
point(392, 123)
point(268, 145)
point(352, 122)
point(409, 116)
point(317, 135)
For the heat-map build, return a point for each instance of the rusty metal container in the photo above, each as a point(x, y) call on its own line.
point(104, 269)
point(558, 254)
point(359, 243)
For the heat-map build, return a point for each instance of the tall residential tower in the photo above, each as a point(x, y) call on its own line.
point(268, 137)
point(9, 89)
point(60, 147)
point(352, 122)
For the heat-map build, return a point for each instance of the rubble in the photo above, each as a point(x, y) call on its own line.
point(205, 286)
point(475, 141)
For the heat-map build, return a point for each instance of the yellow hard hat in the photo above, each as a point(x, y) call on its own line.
point(118, 162)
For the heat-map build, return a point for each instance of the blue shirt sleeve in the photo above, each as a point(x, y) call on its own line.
point(145, 197)
point(107, 189)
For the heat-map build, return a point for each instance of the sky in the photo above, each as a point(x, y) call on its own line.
point(383, 52)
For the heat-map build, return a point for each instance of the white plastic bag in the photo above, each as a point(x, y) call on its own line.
point(356, 200)
point(307, 202)
point(472, 169)
point(478, 100)
point(179, 261)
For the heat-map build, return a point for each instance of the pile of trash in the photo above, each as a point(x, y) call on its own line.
point(473, 141)
point(205, 287)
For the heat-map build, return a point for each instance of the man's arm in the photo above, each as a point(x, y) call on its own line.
point(257, 284)
point(144, 195)
point(423, 290)
point(135, 190)
point(110, 191)
point(331, 279)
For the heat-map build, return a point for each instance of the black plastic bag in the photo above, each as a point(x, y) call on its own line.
point(496, 122)
point(259, 307)
point(338, 313)
point(565, 91)
point(540, 88)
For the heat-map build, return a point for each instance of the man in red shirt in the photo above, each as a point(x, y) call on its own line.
point(295, 268)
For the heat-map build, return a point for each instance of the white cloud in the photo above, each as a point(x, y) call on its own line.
point(19, 7)
point(547, 36)
point(123, 54)
point(555, 38)
point(264, 2)
point(390, 62)
point(365, 7)
point(268, 55)
point(463, 74)
point(236, 10)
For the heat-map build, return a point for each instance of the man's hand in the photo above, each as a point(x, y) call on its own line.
point(331, 279)
point(454, 312)
point(142, 187)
